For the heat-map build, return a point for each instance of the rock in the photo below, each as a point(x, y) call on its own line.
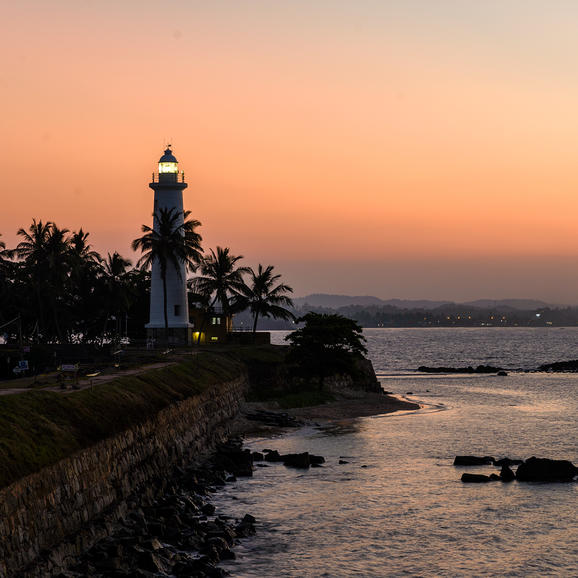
point(507, 475)
point(570, 366)
point(273, 456)
point(475, 478)
point(468, 369)
point(507, 462)
point(151, 562)
point(341, 462)
point(257, 456)
point(297, 460)
point(473, 460)
point(495, 477)
point(502, 373)
point(246, 527)
point(546, 470)
point(208, 509)
point(316, 460)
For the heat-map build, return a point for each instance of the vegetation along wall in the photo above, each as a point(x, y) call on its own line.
point(70, 463)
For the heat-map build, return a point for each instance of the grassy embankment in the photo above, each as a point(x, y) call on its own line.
point(39, 428)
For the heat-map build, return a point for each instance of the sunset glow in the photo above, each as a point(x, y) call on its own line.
point(420, 149)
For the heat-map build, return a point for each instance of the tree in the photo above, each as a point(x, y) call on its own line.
point(171, 242)
point(265, 297)
point(220, 279)
point(326, 345)
point(116, 280)
point(44, 252)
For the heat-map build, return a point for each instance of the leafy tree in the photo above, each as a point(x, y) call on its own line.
point(171, 241)
point(265, 297)
point(326, 345)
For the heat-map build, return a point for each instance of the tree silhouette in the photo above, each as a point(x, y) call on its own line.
point(171, 242)
point(265, 297)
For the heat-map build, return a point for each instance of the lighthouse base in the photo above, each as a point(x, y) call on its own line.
point(177, 336)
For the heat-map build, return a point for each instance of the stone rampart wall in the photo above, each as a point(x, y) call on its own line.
point(49, 517)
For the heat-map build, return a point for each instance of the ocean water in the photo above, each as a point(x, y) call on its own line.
point(398, 508)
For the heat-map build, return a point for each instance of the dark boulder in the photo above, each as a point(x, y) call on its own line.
point(473, 460)
point(297, 460)
point(546, 470)
point(475, 478)
point(316, 460)
point(273, 456)
point(257, 456)
point(506, 474)
point(507, 462)
point(502, 373)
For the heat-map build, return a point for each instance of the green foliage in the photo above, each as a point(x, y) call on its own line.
point(326, 345)
point(39, 428)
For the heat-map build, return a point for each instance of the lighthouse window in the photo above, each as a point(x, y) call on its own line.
point(216, 321)
point(177, 310)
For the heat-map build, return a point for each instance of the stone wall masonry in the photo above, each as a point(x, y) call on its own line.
point(50, 517)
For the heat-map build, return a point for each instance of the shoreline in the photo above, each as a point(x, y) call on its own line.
point(346, 408)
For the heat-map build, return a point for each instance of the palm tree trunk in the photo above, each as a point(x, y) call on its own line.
point(256, 318)
point(164, 277)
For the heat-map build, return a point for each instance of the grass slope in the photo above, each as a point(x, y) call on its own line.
point(39, 428)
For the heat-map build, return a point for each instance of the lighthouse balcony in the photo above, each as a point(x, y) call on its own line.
point(165, 178)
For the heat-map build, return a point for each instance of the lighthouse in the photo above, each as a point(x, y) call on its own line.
point(168, 185)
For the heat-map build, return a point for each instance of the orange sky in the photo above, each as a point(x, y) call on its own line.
point(361, 147)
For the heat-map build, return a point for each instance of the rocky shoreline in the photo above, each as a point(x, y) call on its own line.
point(177, 534)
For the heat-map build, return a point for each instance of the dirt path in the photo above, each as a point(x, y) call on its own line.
point(85, 382)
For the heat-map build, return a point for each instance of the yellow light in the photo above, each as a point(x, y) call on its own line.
point(168, 168)
point(214, 339)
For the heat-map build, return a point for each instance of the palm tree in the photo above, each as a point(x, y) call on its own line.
point(265, 298)
point(115, 276)
point(171, 242)
point(44, 251)
point(220, 281)
point(220, 278)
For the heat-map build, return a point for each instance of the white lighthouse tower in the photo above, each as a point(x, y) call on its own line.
point(168, 185)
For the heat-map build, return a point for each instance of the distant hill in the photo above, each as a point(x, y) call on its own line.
point(520, 304)
point(336, 301)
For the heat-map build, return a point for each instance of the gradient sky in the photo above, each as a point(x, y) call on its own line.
point(411, 149)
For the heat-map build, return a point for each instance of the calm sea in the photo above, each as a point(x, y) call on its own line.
point(398, 508)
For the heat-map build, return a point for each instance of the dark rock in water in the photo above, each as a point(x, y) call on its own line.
point(473, 460)
point(571, 366)
point(409, 393)
point(495, 477)
point(468, 369)
point(246, 527)
point(257, 456)
point(313, 459)
point(502, 373)
point(232, 458)
point(507, 462)
point(341, 462)
point(475, 479)
point(273, 456)
point(297, 460)
point(546, 470)
point(506, 474)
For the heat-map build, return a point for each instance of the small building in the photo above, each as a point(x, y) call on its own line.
point(210, 325)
